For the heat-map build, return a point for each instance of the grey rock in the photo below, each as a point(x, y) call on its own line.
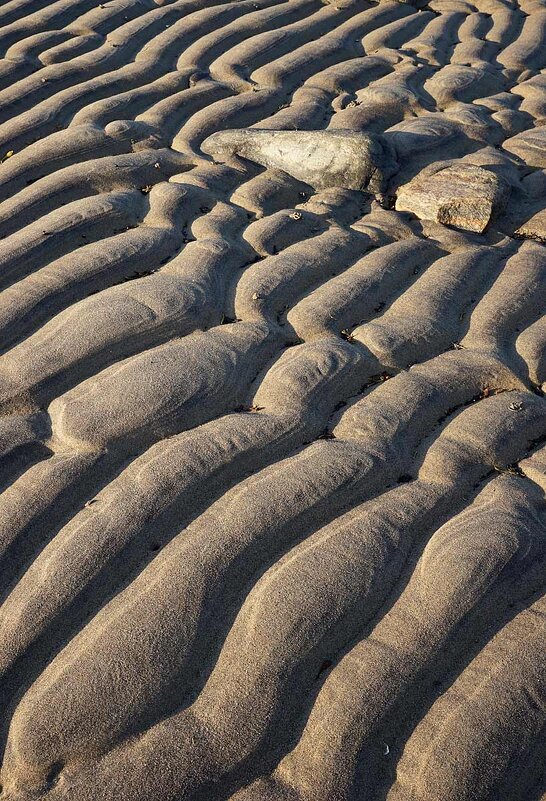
point(323, 159)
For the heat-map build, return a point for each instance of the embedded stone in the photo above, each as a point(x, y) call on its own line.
point(460, 195)
point(323, 159)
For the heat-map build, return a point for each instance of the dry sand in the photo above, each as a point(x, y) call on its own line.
point(272, 424)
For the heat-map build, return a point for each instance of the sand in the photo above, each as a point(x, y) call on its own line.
point(272, 414)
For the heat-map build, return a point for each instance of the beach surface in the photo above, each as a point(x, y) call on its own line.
point(272, 413)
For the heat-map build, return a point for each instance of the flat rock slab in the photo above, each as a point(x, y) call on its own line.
point(461, 195)
point(323, 159)
point(534, 227)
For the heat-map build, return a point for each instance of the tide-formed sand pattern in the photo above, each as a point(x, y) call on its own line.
point(272, 520)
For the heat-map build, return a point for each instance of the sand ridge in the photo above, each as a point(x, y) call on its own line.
point(272, 415)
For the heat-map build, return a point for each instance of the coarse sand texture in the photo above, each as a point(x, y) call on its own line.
point(272, 411)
